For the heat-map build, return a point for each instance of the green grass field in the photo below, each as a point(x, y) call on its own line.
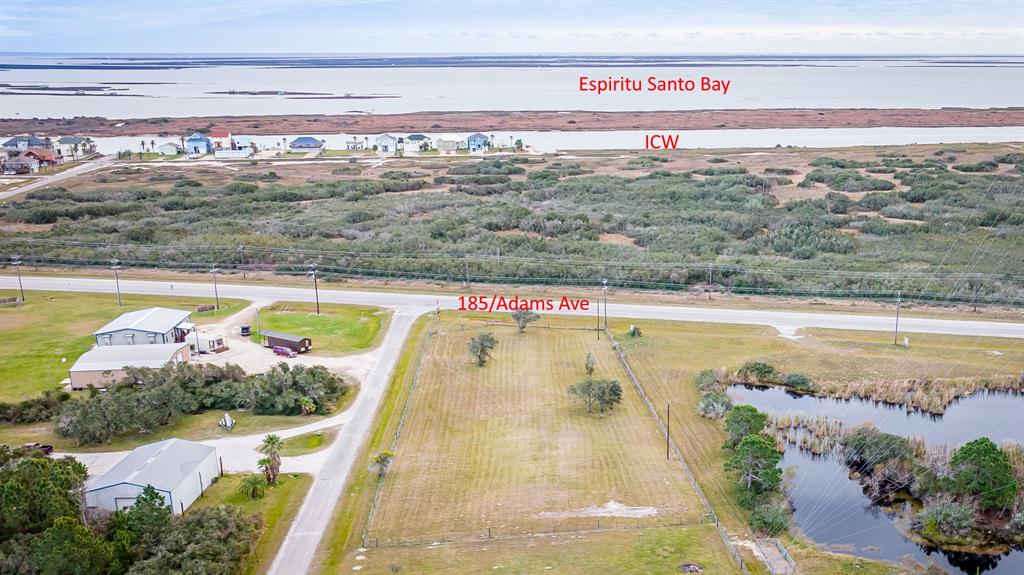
point(310, 442)
point(54, 326)
point(278, 508)
point(625, 552)
point(504, 446)
point(338, 329)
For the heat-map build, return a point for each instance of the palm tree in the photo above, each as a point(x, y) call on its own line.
point(308, 405)
point(253, 486)
point(265, 466)
point(142, 144)
point(74, 151)
point(271, 447)
point(152, 145)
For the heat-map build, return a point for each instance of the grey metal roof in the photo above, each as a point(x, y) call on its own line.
point(153, 319)
point(478, 135)
point(72, 140)
point(164, 465)
point(115, 357)
point(282, 335)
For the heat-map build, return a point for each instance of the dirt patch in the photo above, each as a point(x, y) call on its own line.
point(619, 239)
point(610, 509)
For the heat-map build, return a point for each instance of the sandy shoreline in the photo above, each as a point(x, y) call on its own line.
point(539, 121)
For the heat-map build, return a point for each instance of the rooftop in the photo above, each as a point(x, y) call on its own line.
point(219, 133)
point(154, 319)
point(72, 140)
point(282, 335)
point(115, 357)
point(164, 465)
point(32, 141)
point(477, 136)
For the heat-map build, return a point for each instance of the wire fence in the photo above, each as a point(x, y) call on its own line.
point(566, 526)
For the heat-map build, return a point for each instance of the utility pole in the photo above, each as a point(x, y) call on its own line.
point(899, 300)
point(316, 289)
point(241, 259)
point(604, 283)
point(465, 268)
point(668, 428)
point(115, 264)
point(16, 262)
point(216, 296)
point(598, 325)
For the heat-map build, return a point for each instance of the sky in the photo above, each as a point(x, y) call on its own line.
point(523, 26)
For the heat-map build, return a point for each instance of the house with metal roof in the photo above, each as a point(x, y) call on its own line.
point(221, 140)
point(153, 325)
point(104, 366)
point(198, 144)
point(478, 142)
point(22, 143)
point(179, 470)
point(21, 164)
point(169, 149)
point(386, 143)
point(75, 146)
point(306, 143)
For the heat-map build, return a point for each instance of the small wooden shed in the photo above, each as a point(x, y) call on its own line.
point(280, 339)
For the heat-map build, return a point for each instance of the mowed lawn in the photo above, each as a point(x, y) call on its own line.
point(338, 329)
point(278, 508)
point(42, 338)
point(619, 552)
point(505, 447)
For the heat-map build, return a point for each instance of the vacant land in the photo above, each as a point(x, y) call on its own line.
point(630, 551)
point(867, 221)
point(337, 330)
point(504, 447)
point(46, 334)
point(278, 508)
point(303, 444)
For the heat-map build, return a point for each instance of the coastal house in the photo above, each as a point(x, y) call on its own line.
point(198, 144)
point(221, 140)
point(21, 164)
point(75, 146)
point(46, 156)
point(450, 146)
point(386, 143)
point(179, 470)
point(243, 143)
point(21, 143)
point(103, 366)
point(306, 143)
point(357, 143)
point(478, 142)
point(155, 325)
point(169, 149)
point(417, 142)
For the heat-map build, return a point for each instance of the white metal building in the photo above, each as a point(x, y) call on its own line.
point(179, 470)
point(102, 366)
point(146, 326)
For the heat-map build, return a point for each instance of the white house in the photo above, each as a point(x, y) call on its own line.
point(450, 146)
point(221, 140)
point(386, 143)
point(169, 149)
point(146, 326)
point(208, 343)
point(75, 146)
point(179, 470)
point(104, 366)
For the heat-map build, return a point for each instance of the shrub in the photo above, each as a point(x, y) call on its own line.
point(714, 404)
point(946, 519)
point(706, 380)
point(798, 381)
point(985, 166)
point(769, 519)
point(867, 447)
point(781, 171)
point(759, 371)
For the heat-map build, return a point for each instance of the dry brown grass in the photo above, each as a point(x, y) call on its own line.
point(499, 445)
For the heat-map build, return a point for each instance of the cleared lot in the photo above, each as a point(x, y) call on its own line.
point(505, 447)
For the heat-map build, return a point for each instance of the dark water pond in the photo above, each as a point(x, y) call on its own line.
point(831, 509)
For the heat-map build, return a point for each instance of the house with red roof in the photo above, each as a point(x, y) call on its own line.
point(221, 140)
point(45, 156)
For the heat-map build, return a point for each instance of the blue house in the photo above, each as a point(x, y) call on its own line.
point(22, 143)
point(198, 144)
point(306, 143)
point(478, 142)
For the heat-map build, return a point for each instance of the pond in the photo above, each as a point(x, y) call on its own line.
point(831, 509)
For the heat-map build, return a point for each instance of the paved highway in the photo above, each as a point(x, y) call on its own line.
point(331, 468)
point(787, 322)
